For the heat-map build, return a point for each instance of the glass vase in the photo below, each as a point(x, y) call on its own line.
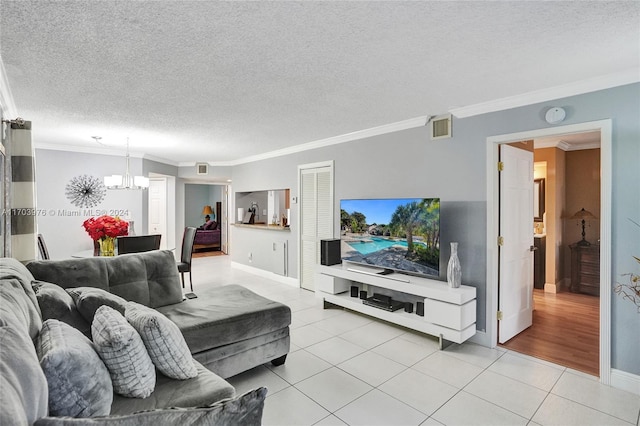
point(454, 270)
point(107, 246)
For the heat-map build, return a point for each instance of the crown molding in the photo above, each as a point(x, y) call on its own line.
point(102, 151)
point(7, 104)
point(628, 76)
point(334, 140)
point(565, 145)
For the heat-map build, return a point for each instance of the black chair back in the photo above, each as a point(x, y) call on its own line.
point(42, 248)
point(138, 243)
point(187, 244)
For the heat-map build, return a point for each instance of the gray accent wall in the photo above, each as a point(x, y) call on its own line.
point(408, 164)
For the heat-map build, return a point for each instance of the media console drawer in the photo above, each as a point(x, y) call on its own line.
point(450, 315)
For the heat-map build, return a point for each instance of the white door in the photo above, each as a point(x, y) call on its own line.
point(516, 255)
point(158, 209)
point(316, 218)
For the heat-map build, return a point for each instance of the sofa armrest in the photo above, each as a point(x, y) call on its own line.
point(245, 409)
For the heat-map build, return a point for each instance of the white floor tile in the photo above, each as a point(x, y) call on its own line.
point(330, 421)
point(300, 365)
point(588, 391)
point(335, 350)
point(507, 393)
point(378, 408)
point(333, 388)
point(373, 334)
point(424, 393)
point(466, 409)
point(474, 354)
point(257, 377)
point(405, 351)
point(372, 368)
point(292, 408)
point(431, 422)
point(343, 323)
point(308, 335)
point(312, 315)
point(448, 369)
point(540, 375)
point(556, 410)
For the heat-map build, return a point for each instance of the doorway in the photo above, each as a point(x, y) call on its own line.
point(564, 326)
point(604, 128)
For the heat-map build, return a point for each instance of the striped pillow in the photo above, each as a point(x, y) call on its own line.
point(164, 341)
point(122, 351)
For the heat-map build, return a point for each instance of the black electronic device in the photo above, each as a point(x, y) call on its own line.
point(408, 307)
point(330, 252)
point(420, 309)
point(354, 290)
point(383, 302)
point(363, 294)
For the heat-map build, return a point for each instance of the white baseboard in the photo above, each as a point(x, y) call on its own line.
point(293, 282)
point(625, 381)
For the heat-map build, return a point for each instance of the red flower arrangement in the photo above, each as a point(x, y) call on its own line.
point(105, 226)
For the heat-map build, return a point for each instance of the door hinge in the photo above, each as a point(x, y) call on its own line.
point(500, 166)
point(500, 241)
point(499, 315)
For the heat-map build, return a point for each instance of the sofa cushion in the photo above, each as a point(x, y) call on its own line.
point(204, 389)
point(163, 340)
point(150, 278)
point(121, 348)
point(243, 410)
point(89, 299)
point(210, 225)
point(56, 303)
point(17, 308)
point(23, 386)
point(79, 382)
point(224, 315)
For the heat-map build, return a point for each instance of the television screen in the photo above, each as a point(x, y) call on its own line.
point(399, 234)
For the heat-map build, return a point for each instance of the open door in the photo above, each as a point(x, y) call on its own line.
point(516, 251)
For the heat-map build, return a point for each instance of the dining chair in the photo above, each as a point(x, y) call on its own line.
point(42, 248)
point(185, 257)
point(137, 243)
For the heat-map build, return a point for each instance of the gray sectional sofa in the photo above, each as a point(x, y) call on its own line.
point(228, 330)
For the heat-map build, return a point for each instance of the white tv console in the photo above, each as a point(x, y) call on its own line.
point(449, 313)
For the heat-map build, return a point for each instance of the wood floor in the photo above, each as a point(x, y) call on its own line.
point(565, 331)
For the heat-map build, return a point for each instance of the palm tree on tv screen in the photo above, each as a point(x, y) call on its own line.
point(416, 218)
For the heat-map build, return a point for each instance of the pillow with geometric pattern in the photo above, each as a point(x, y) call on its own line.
point(164, 341)
point(121, 348)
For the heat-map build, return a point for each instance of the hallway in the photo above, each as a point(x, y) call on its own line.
point(565, 331)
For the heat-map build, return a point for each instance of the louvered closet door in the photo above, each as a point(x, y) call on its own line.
point(316, 189)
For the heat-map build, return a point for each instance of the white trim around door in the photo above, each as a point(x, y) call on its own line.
point(605, 128)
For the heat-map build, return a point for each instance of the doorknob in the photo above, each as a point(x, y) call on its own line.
point(533, 248)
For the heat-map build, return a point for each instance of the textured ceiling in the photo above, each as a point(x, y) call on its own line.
point(221, 81)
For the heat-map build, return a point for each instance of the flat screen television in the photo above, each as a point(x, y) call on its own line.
point(393, 234)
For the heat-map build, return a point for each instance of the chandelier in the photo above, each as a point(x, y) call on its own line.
point(125, 181)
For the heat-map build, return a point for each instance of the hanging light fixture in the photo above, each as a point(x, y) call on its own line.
point(125, 181)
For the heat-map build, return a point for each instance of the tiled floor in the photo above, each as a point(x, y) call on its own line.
point(346, 368)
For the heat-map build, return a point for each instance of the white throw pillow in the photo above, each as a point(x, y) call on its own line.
point(121, 348)
point(164, 341)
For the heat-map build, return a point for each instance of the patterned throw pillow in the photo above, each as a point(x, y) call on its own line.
point(121, 348)
point(164, 341)
point(79, 383)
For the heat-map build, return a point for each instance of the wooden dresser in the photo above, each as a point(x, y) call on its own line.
point(585, 269)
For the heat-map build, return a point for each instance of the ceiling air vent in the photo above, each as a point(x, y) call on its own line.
point(440, 127)
point(202, 168)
